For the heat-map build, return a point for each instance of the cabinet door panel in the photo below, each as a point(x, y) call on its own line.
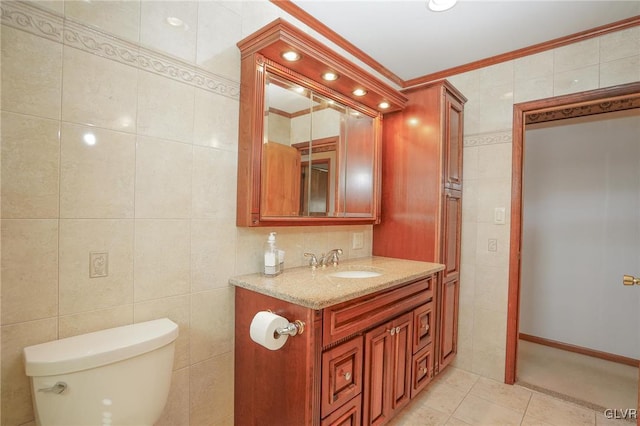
point(453, 142)
point(341, 374)
point(448, 322)
point(452, 215)
point(378, 345)
point(423, 326)
point(401, 371)
point(347, 415)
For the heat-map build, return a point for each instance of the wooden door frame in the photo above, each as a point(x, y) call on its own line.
point(616, 98)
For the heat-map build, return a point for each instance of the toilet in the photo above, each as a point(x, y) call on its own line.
point(115, 377)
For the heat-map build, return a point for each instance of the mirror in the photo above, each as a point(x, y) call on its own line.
point(318, 154)
point(308, 147)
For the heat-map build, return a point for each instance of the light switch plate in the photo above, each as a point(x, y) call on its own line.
point(492, 244)
point(357, 240)
point(499, 214)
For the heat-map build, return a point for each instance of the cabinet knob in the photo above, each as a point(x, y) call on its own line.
point(347, 376)
point(397, 330)
point(426, 327)
point(392, 331)
point(424, 370)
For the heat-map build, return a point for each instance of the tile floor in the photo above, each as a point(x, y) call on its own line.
point(458, 397)
point(594, 382)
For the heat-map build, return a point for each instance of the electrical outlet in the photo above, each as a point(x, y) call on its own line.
point(98, 264)
point(492, 244)
point(357, 240)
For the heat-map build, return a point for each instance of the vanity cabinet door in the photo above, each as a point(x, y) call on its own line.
point(341, 374)
point(401, 361)
point(376, 407)
point(448, 324)
point(387, 369)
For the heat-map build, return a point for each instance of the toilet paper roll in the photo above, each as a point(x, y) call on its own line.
point(263, 330)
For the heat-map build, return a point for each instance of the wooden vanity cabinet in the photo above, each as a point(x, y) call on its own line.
point(356, 363)
point(421, 204)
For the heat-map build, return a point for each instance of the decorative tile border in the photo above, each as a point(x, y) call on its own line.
point(42, 23)
point(488, 139)
point(596, 107)
point(33, 20)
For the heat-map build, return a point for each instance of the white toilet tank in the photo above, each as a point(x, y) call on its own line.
point(115, 377)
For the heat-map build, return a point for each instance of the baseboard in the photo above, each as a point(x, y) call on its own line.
point(580, 350)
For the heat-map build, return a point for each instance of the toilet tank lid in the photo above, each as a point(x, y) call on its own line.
point(99, 348)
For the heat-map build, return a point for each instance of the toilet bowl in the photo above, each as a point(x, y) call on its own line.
point(115, 377)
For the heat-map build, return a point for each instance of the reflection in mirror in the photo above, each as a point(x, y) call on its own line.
point(317, 157)
point(359, 152)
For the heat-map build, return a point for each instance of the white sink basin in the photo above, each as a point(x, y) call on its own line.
point(355, 274)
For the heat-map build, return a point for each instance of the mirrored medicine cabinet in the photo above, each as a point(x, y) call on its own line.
point(309, 149)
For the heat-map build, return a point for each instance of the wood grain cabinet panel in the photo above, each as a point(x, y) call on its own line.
point(347, 318)
point(423, 326)
point(387, 369)
point(453, 108)
point(452, 213)
point(422, 370)
point(347, 415)
point(341, 374)
point(448, 323)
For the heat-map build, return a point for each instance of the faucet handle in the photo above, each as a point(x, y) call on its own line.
point(313, 262)
point(335, 256)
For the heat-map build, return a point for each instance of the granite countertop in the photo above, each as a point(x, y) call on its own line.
point(317, 289)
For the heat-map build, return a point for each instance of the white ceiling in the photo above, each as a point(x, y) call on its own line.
point(411, 41)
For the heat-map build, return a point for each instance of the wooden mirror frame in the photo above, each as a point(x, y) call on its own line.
point(262, 51)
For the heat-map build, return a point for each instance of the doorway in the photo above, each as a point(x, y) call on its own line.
point(544, 111)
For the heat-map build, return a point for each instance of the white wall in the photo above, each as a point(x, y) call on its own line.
point(581, 232)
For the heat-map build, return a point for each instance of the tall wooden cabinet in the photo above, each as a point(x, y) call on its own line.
point(421, 211)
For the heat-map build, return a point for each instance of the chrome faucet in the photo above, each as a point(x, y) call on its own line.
point(331, 257)
point(313, 262)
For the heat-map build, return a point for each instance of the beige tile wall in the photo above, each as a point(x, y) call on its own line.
point(600, 62)
point(106, 149)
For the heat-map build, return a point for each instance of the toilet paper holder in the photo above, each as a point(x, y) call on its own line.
point(293, 328)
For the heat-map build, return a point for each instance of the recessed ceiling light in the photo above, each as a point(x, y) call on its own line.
point(330, 76)
point(291, 56)
point(441, 5)
point(359, 92)
point(383, 105)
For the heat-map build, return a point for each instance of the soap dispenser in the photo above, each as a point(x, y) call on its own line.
point(271, 257)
